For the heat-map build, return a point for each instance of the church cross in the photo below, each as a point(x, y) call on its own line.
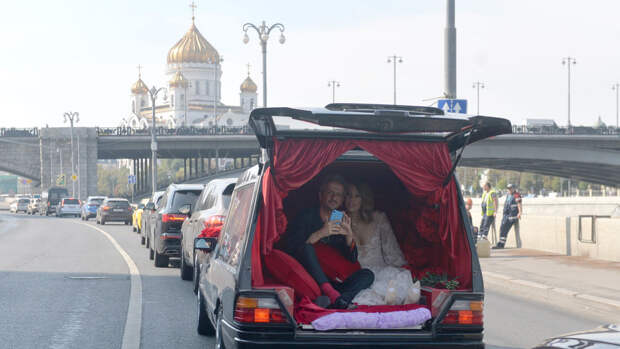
point(139, 71)
point(193, 7)
point(248, 65)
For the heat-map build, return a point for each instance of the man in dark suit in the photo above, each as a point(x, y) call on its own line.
point(313, 225)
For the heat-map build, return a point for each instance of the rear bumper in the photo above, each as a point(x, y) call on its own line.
point(61, 211)
point(236, 338)
point(169, 247)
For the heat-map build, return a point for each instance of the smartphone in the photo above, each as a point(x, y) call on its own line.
point(336, 215)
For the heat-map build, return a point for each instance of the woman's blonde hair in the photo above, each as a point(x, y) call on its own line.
point(368, 200)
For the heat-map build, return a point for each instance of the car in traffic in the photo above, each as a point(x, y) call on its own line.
point(165, 238)
point(114, 210)
point(89, 208)
point(136, 218)
point(603, 337)
point(68, 207)
point(33, 206)
point(253, 294)
point(19, 205)
point(50, 199)
point(148, 215)
point(206, 218)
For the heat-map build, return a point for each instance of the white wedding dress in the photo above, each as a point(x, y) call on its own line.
point(382, 255)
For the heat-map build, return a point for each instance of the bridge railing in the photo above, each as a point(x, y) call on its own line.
point(19, 132)
point(574, 130)
point(181, 131)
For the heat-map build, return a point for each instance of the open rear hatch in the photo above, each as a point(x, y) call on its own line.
point(374, 121)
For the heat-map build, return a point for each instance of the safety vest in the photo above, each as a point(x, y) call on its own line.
point(487, 198)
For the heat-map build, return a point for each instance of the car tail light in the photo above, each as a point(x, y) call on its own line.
point(464, 312)
point(214, 221)
point(106, 208)
point(170, 217)
point(259, 310)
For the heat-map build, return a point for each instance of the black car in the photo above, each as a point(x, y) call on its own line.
point(410, 154)
point(114, 210)
point(50, 199)
point(604, 337)
point(148, 216)
point(166, 222)
point(206, 219)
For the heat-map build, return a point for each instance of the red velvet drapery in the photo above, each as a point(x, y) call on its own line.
point(421, 166)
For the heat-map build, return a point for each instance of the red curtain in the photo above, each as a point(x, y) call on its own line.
point(422, 167)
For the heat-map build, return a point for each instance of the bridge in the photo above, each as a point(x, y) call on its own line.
point(43, 154)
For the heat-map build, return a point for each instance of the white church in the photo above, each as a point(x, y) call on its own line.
point(194, 90)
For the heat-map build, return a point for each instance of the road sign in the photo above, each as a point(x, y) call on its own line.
point(74, 178)
point(131, 179)
point(453, 105)
point(61, 180)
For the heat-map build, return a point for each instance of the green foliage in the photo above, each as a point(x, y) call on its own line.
point(439, 281)
point(112, 181)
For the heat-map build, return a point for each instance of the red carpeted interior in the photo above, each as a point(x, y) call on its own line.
point(408, 185)
point(413, 221)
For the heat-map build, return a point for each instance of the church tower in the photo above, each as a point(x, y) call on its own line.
point(248, 95)
point(139, 95)
point(199, 63)
point(178, 98)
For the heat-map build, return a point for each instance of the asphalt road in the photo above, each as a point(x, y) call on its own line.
point(64, 285)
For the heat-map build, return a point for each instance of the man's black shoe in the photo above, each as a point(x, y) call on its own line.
point(497, 247)
point(322, 301)
point(339, 303)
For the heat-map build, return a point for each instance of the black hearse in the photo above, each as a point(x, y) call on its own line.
point(408, 153)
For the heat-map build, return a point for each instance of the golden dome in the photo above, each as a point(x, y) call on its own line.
point(139, 87)
point(178, 80)
point(193, 48)
point(248, 85)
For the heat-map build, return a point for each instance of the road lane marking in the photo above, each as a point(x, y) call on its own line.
point(133, 323)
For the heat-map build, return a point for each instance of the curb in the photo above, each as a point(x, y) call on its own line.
point(535, 286)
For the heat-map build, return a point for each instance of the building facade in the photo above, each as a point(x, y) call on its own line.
point(193, 96)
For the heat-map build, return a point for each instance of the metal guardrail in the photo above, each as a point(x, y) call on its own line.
point(246, 130)
point(19, 132)
point(574, 130)
point(181, 131)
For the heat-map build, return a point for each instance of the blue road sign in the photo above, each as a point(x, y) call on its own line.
point(131, 179)
point(453, 105)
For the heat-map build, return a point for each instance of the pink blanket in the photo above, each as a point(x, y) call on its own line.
point(361, 320)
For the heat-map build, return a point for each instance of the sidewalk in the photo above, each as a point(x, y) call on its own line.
point(550, 275)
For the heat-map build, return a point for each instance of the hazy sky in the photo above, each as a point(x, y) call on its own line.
point(82, 55)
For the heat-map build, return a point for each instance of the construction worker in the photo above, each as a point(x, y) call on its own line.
point(489, 210)
point(512, 213)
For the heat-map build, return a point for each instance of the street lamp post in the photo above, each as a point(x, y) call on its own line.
point(568, 61)
point(216, 91)
point(333, 84)
point(478, 85)
point(394, 59)
point(153, 92)
point(263, 34)
point(616, 87)
point(72, 117)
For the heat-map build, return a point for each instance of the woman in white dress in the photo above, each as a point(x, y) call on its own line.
point(378, 251)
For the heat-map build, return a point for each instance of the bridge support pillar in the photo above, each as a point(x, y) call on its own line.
point(55, 148)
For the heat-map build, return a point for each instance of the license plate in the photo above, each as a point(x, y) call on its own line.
point(118, 210)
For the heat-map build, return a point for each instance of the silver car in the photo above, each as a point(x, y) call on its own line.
point(68, 207)
point(20, 205)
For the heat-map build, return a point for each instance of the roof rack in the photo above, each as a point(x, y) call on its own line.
point(371, 108)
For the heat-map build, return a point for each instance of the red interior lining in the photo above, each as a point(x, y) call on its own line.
point(426, 221)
